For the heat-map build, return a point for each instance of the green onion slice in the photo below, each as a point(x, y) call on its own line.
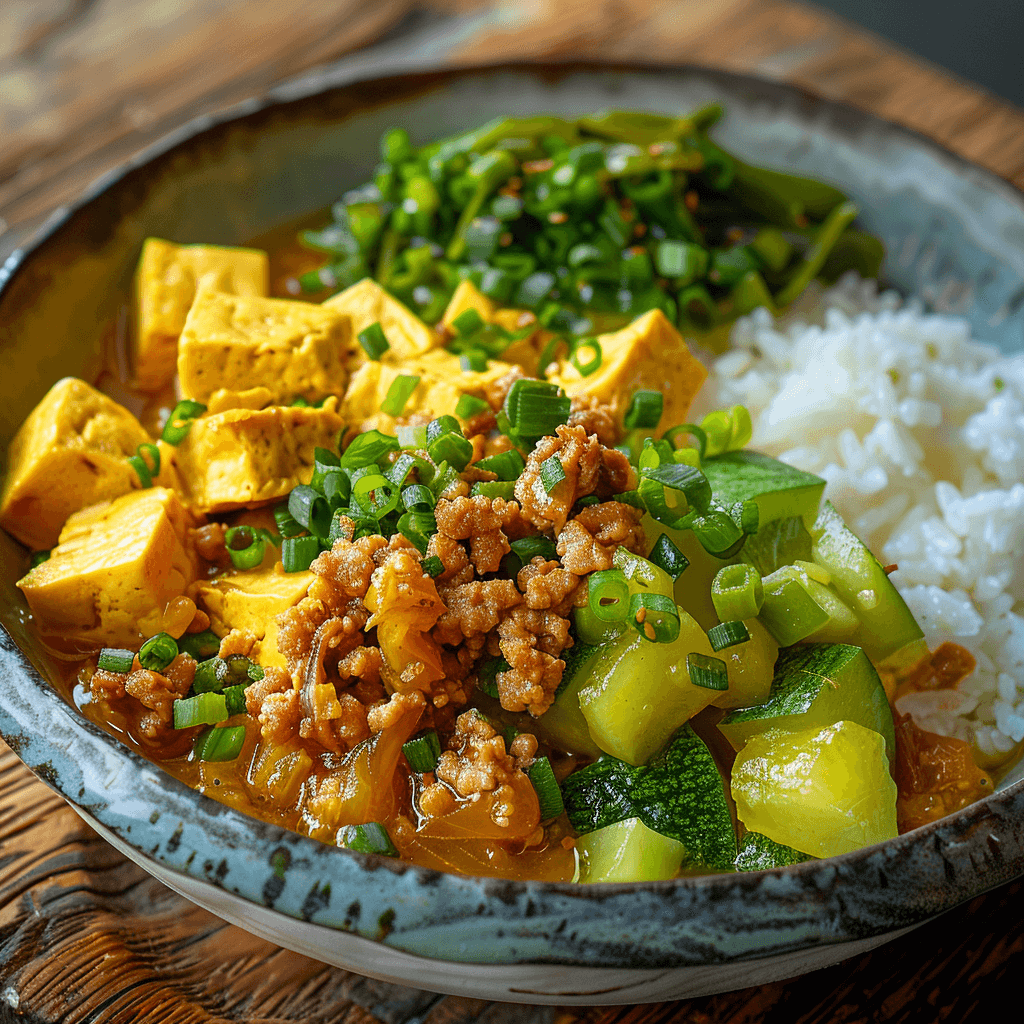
point(158, 652)
point(442, 425)
point(452, 448)
point(418, 498)
point(399, 394)
point(528, 548)
point(645, 409)
point(469, 321)
point(737, 593)
point(373, 341)
point(655, 614)
point(412, 437)
point(298, 553)
point(587, 356)
point(287, 524)
point(686, 479)
point(310, 509)
point(469, 406)
point(665, 555)
point(549, 795)
point(608, 594)
point(674, 435)
point(250, 554)
point(487, 679)
point(200, 646)
point(432, 566)
point(234, 698)
point(728, 634)
point(707, 672)
point(422, 751)
point(507, 465)
point(38, 557)
point(179, 423)
point(494, 489)
point(115, 659)
point(369, 838)
point(418, 528)
point(211, 676)
point(375, 494)
point(367, 448)
point(551, 473)
point(203, 709)
point(535, 408)
point(138, 463)
point(219, 743)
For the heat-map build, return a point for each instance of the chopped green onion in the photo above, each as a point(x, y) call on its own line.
point(179, 423)
point(728, 634)
point(422, 751)
point(219, 743)
point(469, 406)
point(673, 434)
point(494, 489)
point(690, 481)
point(200, 646)
point(587, 365)
point(549, 795)
point(645, 409)
point(473, 360)
point(469, 321)
point(115, 659)
point(234, 698)
point(158, 652)
point(487, 679)
point(417, 498)
point(445, 478)
point(665, 555)
point(375, 494)
point(443, 425)
point(203, 709)
point(452, 448)
point(298, 553)
point(551, 473)
point(632, 498)
point(249, 556)
point(399, 394)
point(373, 341)
point(138, 463)
point(507, 465)
point(367, 448)
point(150, 454)
point(418, 528)
point(707, 672)
point(535, 408)
point(412, 436)
point(211, 676)
point(737, 593)
point(608, 594)
point(655, 614)
point(432, 566)
point(310, 509)
point(528, 548)
point(369, 838)
point(287, 524)
point(399, 470)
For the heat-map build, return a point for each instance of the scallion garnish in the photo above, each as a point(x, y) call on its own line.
point(287, 524)
point(250, 554)
point(219, 743)
point(608, 594)
point(412, 437)
point(587, 356)
point(655, 617)
point(298, 553)
point(676, 476)
point(399, 394)
point(179, 423)
point(549, 795)
point(158, 652)
point(494, 489)
point(422, 751)
point(737, 593)
point(469, 321)
point(203, 709)
point(374, 494)
point(199, 646)
point(707, 672)
point(728, 634)
point(469, 406)
point(443, 425)
point(452, 448)
point(373, 341)
point(528, 548)
point(38, 557)
point(645, 409)
point(677, 433)
point(486, 680)
point(445, 478)
point(507, 465)
point(418, 528)
point(234, 698)
point(432, 566)
point(418, 498)
point(367, 448)
point(115, 659)
point(535, 408)
point(551, 473)
point(369, 838)
point(310, 509)
point(473, 360)
point(212, 675)
point(665, 555)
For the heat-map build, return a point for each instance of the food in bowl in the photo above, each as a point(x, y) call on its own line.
point(478, 594)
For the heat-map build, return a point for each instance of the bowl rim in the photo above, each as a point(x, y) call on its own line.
point(422, 78)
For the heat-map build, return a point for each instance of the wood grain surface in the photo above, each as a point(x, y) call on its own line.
point(86, 936)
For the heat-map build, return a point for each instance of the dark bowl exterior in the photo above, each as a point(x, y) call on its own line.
point(955, 235)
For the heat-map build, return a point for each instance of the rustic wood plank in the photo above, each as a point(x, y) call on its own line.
point(86, 935)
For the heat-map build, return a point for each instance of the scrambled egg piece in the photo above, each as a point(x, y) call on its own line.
point(237, 342)
point(367, 303)
point(251, 601)
point(117, 565)
point(167, 280)
point(72, 451)
point(649, 353)
point(243, 458)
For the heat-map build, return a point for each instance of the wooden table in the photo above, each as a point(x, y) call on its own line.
point(86, 935)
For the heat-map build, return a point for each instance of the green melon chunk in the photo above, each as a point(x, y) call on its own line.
point(759, 853)
point(628, 851)
point(563, 724)
point(816, 685)
point(780, 491)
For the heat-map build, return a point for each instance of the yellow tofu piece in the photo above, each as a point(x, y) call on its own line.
point(251, 601)
point(468, 296)
point(71, 452)
point(244, 458)
point(239, 343)
point(442, 383)
point(117, 565)
point(648, 353)
point(167, 280)
point(366, 303)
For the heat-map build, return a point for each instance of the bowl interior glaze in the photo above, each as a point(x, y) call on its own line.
point(955, 236)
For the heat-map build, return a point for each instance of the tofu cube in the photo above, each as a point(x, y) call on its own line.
point(648, 353)
point(167, 280)
point(116, 567)
point(366, 303)
point(237, 343)
point(71, 452)
point(244, 458)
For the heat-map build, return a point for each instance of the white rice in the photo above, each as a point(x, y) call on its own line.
point(919, 432)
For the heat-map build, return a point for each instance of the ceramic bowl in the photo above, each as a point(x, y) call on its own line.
point(955, 236)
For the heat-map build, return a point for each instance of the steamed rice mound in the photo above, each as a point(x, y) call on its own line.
point(918, 430)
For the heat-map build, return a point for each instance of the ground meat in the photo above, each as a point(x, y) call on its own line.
point(275, 680)
point(347, 568)
point(156, 692)
point(588, 466)
point(454, 558)
point(531, 642)
point(546, 585)
point(481, 521)
point(298, 625)
point(238, 641)
point(362, 663)
point(481, 424)
point(474, 608)
point(497, 390)
point(380, 716)
point(280, 715)
point(106, 685)
point(589, 541)
point(595, 419)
